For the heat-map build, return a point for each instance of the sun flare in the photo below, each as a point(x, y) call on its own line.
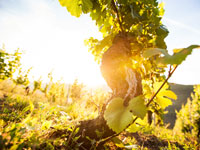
point(52, 41)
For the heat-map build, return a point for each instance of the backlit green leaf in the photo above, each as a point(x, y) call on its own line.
point(137, 107)
point(179, 57)
point(154, 51)
point(73, 6)
point(86, 6)
point(117, 116)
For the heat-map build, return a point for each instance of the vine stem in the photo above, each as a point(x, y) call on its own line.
point(147, 105)
point(118, 17)
point(169, 75)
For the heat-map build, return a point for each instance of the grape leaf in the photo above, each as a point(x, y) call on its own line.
point(134, 128)
point(169, 94)
point(162, 98)
point(179, 57)
point(86, 6)
point(138, 125)
point(118, 142)
point(117, 116)
point(137, 107)
point(73, 6)
point(161, 6)
point(163, 102)
point(154, 51)
point(162, 31)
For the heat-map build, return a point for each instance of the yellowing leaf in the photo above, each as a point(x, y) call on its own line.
point(117, 116)
point(162, 98)
point(73, 6)
point(169, 94)
point(117, 142)
point(163, 102)
point(14, 147)
point(134, 128)
point(161, 6)
point(157, 85)
point(176, 50)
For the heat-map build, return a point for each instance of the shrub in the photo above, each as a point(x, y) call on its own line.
point(188, 118)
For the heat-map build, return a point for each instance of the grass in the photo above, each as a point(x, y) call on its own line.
point(31, 122)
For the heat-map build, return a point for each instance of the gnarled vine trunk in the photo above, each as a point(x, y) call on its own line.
point(124, 81)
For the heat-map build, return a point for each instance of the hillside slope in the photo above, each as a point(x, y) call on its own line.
point(182, 92)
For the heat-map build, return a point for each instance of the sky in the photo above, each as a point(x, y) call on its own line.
point(53, 40)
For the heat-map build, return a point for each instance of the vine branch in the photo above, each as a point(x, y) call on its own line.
point(117, 12)
point(169, 75)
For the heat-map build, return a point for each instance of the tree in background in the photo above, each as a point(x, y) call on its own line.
point(37, 85)
point(22, 79)
point(10, 68)
point(76, 90)
point(188, 118)
point(9, 63)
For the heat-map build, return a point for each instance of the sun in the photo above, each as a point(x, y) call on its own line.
point(52, 40)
